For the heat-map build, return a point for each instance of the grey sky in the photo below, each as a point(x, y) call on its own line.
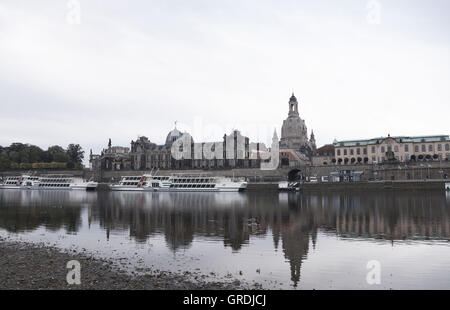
point(133, 68)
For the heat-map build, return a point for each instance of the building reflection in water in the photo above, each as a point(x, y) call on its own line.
point(27, 210)
point(293, 220)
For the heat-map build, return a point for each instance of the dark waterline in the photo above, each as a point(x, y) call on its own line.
point(285, 240)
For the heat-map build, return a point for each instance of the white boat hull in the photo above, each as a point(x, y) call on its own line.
point(88, 186)
point(234, 187)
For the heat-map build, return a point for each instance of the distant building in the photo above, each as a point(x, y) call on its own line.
point(111, 158)
point(324, 156)
point(235, 150)
point(392, 149)
point(293, 158)
point(294, 136)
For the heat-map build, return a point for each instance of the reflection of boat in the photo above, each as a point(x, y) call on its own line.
point(48, 182)
point(180, 200)
point(50, 198)
point(447, 187)
point(288, 186)
point(179, 183)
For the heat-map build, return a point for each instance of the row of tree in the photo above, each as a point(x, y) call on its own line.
point(26, 156)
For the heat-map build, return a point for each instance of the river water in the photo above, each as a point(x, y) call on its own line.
point(278, 240)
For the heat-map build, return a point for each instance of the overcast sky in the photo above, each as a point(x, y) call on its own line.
point(133, 68)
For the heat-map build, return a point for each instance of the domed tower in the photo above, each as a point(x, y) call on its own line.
point(294, 134)
point(293, 106)
point(173, 136)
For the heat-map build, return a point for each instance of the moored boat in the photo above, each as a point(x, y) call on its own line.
point(48, 182)
point(285, 186)
point(179, 183)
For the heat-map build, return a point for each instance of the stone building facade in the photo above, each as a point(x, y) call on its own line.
point(324, 156)
point(393, 149)
point(234, 151)
point(111, 158)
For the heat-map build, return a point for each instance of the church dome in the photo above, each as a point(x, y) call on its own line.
point(173, 136)
point(293, 98)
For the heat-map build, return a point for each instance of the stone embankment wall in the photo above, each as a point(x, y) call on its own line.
point(432, 170)
point(436, 171)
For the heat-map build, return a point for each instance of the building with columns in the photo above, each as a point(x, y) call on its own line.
point(392, 149)
point(236, 151)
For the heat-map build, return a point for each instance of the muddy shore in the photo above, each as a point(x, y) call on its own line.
point(40, 267)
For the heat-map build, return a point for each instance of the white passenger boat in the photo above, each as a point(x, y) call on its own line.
point(48, 182)
point(15, 182)
point(179, 183)
point(288, 186)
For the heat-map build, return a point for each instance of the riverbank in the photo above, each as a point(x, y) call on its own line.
point(411, 185)
point(434, 185)
point(40, 267)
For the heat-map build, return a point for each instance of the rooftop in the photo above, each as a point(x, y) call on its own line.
point(399, 139)
point(324, 150)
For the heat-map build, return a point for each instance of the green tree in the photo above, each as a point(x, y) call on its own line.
point(5, 163)
point(75, 153)
point(25, 166)
point(46, 157)
point(16, 147)
point(14, 156)
point(57, 154)
point(35, 154)
point(24, 156)
point(14, 166)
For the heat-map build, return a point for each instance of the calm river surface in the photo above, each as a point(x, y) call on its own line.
point(292, 240)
